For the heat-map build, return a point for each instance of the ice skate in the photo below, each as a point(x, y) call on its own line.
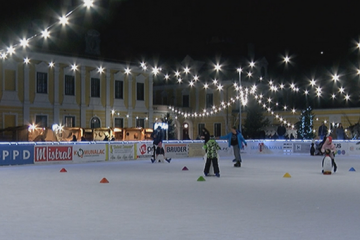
point(237, 164)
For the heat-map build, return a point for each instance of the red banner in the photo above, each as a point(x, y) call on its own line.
point(53, 153)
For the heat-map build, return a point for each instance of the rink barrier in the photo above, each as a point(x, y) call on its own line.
point(18, 153)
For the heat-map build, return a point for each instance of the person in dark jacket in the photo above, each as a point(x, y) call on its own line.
point(157, 137)
point(281, 131)
point(205, 135)
point(340, 132)
point(235, 139)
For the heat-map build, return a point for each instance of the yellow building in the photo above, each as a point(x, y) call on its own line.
point(47, 89)
point(195, 107)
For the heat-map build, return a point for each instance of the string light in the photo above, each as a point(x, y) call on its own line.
point(243, 94)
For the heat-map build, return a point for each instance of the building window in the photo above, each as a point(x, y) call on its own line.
point(119, 89)
point(69, 85)
point(41, 120)
point(140, 122)
point(186, 101)
point(95, 87)
point(119, 122)
point(41, 86)
point(200, 128)
point(69, 121)
point(140, 91)
point(95, 122)
point(217, 129)
point(209, 100)
point(10, 80)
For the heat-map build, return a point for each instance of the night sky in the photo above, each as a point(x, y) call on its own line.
point(315, 34)
point(163, 28)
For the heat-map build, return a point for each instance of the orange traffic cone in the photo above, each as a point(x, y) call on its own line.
point(104, 180)
point(63, 170)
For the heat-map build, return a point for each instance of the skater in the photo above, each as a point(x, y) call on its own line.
point(312, 149)
point(235, 139)
point(211, 148)
point(329, 145)
point(205, 135)
point(157, 137)
point(160, 154)
point(319, 146)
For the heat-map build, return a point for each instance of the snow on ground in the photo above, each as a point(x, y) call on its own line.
point(161, 201)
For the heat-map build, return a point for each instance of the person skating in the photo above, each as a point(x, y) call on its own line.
point(235, 139)
point(211, 148)
point(157, 137)
point(160, 154)
point(329, 146)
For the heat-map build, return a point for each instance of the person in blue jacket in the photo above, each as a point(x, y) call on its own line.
point(235, 139)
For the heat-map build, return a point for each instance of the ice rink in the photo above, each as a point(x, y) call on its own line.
point(161, 201)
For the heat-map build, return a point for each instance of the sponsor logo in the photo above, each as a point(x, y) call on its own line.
point(339, 152)
point(176, 148)
point(15, 154)
point(142, 149)
point(92, 152)
point(50, 154)
point(273, 147)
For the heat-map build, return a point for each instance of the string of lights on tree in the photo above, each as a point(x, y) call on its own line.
point(181, 77)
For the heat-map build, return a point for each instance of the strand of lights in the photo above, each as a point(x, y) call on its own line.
point(63, 20)
point(243, 94)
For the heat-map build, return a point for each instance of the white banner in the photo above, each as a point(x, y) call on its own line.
point(144, 150)
point(90, 152)
point(225, 149)
point(121, 152)
point(176, 150)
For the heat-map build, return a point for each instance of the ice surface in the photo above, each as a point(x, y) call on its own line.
point(161, 201)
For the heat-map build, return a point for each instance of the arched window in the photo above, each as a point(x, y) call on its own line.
point(95, 122)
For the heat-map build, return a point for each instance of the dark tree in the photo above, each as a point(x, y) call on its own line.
point(255, 121)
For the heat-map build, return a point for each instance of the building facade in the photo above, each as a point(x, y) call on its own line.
point(46, 89)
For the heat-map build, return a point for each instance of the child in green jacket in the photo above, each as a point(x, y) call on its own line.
point(211, 148)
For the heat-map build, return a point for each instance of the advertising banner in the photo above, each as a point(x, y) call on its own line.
point(46, 153)
point(16, 154)
point(225, 149)
point(196, 149)
point(176, 150)
point(301, 147)
point(121, 152)
point(344, 148)
point(90, 152)
point(144, 150)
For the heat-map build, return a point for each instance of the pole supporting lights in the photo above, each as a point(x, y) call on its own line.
point(239, 70)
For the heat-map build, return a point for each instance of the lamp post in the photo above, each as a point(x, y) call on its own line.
point(239, 70)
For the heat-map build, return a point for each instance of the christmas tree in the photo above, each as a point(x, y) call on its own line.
point(305, 125)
